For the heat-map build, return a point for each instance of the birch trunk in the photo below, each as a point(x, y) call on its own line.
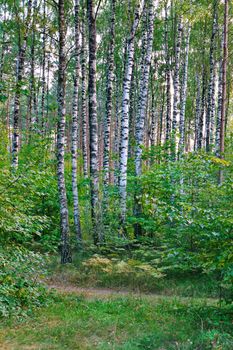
point(183, 95)
point(143, 94)
point(125, 116)
point(202, 111)
point(43, 79)
point(93, 125)
point(83, 97)
point(197, 112)
point(74, 145)
point(153, 121)
point(224, 86)
point(168, 79)
point(19, 79)
point(219, 110)
point(65, 244)
point(109, 88)
point(176, 102)
point(31, 106)
point(211, 88)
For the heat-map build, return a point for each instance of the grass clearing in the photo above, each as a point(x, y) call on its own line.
point(123, 323)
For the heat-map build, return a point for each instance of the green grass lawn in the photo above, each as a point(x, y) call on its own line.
point(125, 323)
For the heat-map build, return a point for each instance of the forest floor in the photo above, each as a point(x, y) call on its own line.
point(103, 319)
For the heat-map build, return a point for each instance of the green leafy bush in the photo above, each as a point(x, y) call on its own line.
point(20, 287)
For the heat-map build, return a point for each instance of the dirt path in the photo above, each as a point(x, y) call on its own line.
point(104, 293)
point(95, 292)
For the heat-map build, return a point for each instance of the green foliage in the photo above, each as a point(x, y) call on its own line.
point(186, 219)
point(28, 199)
point(20, 289)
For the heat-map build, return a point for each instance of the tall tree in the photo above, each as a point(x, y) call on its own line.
point(143, 96)
point(84, 94)
point(197, 111)
point(93, 124)
point(183, 94)
point(125, 114)
point(144, 81)
point(74, 145)
point(219, 110)
point(109, 92)
point(176, 83)
point(211, 87)
point(65, 244)
point(19, 79)
point(224, 85)
point(167, 76)
point(43, 78)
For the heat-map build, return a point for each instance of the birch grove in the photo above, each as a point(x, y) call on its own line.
point(119, 99)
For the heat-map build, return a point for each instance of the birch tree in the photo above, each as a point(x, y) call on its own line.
point(211, 87)
point(125, 114)
point(93, 124)
point(85, 141)
point(109, 93)
point(65, 244)
point(143, 94)
point(176, 83)
point(167, 76)
point(219, 109)
point(74, 145)
point(19, 79)
point(224, 85)
point(183, 94)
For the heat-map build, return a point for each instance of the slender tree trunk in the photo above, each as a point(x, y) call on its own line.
point(3, 48)
point(43, 79)
point(219, 110)
point(143, 97)
point(143, 94)
point(74, 145)
point(93, 125)
point(183, 95)
point(176, 101)
point(161, 118)
point(211, 88)
point(132, 109)
point(202, 112)
point(30, 111)
point(109, 88)
point(65, 244)
point(83, 98)
point(198, 111)
point(19, 78)
point(168, 79)
point(153, 121)
point(125, 116)
point(116, 135)
point(224, 86)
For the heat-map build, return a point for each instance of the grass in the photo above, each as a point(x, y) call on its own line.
point(74, 322)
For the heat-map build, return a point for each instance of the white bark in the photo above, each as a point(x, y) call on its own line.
point(93, 125)
point(198, 110)
point(183, 95)
point(211, 88)
point(219, 109)
point(65, 245)
point(83, 97)
point(19, 78)
point(125, 116)
point(74, 144)
point(143, 94)
point(176, 100)
point(109, 88)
